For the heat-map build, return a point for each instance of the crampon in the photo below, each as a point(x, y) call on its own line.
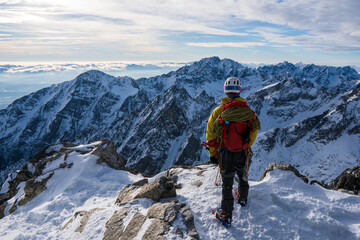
point(222, 217)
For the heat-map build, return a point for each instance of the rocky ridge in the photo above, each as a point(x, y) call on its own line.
point(28, 182)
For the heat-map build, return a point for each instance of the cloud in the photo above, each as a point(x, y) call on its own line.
point(92, 28)
point(39, 24)
point(228, 44)
point(329, 25)
point(81, 67)
point(309, 40)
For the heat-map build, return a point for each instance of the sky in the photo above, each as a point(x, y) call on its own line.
point(257, 31)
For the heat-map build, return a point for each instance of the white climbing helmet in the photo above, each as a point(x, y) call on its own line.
point(232, 86)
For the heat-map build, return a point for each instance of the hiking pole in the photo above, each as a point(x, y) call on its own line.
point(215, 145)
point(218, 178)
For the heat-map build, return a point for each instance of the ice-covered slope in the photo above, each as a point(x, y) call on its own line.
point(281, 206)
point(160, 121)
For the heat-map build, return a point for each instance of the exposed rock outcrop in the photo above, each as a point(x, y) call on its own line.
point(286, 167)
point(188, 219)
point(107, 154)
point(163, 187)
point(166, 211)
point(33, 188)
point(35, 175)
point(134, 226)
point(156, 230)
point(348, 181)
point(126, 194)
point(85, 215)
point(2, 209)
point(161, 214)
point(115, 225)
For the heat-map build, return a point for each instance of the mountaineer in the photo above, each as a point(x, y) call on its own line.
point(231, 130)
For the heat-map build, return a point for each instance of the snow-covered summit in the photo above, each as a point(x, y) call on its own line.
point(78, 199)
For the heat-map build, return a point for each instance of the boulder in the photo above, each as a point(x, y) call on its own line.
point(115, 225)
point(163, 187)
point(134, 226)
point(188, 220)
point(156, 230)
point(85, 215)
point(160, 214)
point(197, 183)
point(107, 154)
point(2, 209)
point(348, 181)
point(286, 167)
point(85, 218)
point(166, 211)
point(126, 194)
point(33, 188)
point(13, 207)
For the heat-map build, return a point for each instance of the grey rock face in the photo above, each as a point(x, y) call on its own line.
point(84, 215)
point(190, 153)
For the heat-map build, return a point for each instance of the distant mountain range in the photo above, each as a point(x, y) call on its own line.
point(309, 116)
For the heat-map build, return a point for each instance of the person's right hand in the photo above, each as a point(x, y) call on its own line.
point(214, 160)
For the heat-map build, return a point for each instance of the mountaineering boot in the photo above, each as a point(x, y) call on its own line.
point(224, 218)
point(242, 202)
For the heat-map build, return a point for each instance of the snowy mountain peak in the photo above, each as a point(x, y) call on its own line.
point(93, 78)
point(280, 68)
point(208, 61)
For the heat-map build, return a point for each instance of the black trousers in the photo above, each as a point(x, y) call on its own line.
point(232, 162)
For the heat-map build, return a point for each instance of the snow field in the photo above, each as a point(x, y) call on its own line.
point(84, 186)
point(281, 206)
